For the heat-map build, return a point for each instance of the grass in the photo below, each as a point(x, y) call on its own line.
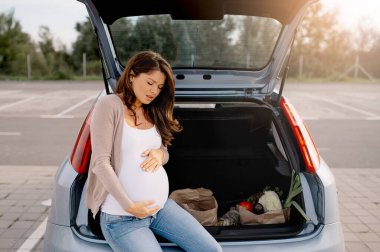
point(25, 78)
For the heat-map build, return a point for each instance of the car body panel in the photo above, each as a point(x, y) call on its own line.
point(59, 211)
point(319, 197)
point(331, 205)
point(321, 240)
point(309, 204)
point(284, 11)
point(60, 227)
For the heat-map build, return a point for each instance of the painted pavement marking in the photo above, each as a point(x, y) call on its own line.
point(63, 113)
point(17, 103)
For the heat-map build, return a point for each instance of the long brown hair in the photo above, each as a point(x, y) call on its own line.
point(160, 110)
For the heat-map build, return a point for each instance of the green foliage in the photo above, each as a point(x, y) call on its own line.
point(210, 42)
point(56, 62)
point(122, 31)
point(94, 67)
point(14, 45)
point(254, 43)
point(325, 46)
point(327, 49)
point(153, 32)
point(370, 59)
point(85, 43)
point(147, 33)
point(294, 190)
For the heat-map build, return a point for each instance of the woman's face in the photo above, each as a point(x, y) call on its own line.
point(147, 86)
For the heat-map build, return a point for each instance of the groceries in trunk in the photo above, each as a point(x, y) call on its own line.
point(199, 202)
point(269, 206)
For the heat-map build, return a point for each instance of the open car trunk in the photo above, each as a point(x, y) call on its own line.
point(233, 150)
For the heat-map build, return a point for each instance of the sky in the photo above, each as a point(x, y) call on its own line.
point(62, 15)
point(59, 15)
point(351, 12)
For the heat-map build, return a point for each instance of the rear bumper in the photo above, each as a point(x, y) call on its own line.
point(63, 239)
point(329, 239)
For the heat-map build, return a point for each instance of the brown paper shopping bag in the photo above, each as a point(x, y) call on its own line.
point(270, 217)
point(199, 202)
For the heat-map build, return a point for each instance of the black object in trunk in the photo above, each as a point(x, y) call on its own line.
point(225, 149)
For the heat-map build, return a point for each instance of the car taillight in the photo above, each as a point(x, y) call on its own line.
point(309, 152)
point(80, 157)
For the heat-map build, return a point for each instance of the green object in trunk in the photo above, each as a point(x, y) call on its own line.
point(294, 190)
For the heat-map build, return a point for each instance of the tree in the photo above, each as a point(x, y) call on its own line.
point(181, 42)
point(154, 33)
point(14, 46)
point(86, 43)
point(56, 60)
point(325, 46)
point(212, 42)
point(370, 59)
point(121, 32)
point(257, 39)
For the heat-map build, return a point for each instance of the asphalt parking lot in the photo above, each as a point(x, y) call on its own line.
point(39, 122)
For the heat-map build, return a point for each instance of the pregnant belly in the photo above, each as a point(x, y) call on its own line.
point(141, 185)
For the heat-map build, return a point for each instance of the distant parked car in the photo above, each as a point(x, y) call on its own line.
point(239, 133)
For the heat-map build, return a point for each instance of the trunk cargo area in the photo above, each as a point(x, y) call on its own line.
point(231, 150)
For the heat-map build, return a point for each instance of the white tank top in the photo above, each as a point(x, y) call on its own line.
point(138, 184)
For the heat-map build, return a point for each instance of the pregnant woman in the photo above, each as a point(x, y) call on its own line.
point(127, 183)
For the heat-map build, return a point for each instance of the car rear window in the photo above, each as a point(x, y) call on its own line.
point(236, 42)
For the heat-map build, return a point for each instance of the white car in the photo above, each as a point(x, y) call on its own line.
point(239, 133)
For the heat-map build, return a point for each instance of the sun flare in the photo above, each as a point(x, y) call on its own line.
point(352, 12)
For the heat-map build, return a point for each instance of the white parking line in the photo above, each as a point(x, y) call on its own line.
point(37, 235)
point(17, 103)
point(342, 105)
point(10, 133)
point(34, 238)
point(63, 113)
point(364, 96)
point(373, 118)
point(46, 202)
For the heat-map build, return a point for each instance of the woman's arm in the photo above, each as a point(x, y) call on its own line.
point(102, 130)
point(102, 135)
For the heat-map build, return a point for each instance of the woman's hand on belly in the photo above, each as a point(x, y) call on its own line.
point(143, 209)
point(153, 161)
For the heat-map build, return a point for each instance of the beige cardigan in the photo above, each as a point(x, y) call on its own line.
point(106, 133)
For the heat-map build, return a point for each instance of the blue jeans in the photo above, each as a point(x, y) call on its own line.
point(128, 233)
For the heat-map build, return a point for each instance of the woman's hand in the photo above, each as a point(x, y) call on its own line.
point(143, 209)
point(153, 161)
